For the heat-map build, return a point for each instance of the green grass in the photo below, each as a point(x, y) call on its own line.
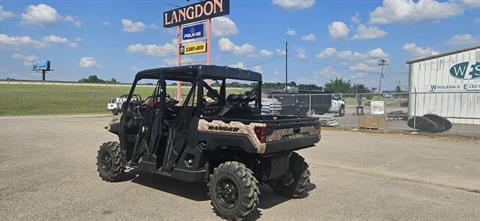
point(25, 99)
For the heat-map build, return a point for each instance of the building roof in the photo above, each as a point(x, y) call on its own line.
point(443, 54)
point(206, 71)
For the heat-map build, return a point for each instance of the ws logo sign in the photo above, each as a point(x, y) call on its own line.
point(460, 71)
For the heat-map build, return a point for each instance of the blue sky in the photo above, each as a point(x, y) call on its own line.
point(327, 39)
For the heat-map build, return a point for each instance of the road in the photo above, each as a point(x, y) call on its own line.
point(48, 172)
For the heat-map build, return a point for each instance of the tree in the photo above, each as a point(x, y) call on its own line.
point(360, 88)
point(398, 89)
point(339, 85)
point(114, 81)
point(92, 79)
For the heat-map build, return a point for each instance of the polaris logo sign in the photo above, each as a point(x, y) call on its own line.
point(191, 32)
point(462, 70)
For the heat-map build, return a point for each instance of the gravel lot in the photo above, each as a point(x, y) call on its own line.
point(48, 172)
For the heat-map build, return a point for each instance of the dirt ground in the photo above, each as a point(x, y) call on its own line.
point(48, 172)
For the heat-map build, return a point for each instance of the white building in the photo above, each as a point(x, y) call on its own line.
point(447, 84)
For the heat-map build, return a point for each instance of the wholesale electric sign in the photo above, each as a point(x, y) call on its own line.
point(196, 12)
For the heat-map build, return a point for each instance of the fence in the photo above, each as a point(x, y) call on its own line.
point(462, 109)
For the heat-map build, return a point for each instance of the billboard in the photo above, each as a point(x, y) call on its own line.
point(193, 31)
point(196, 12)
point(193, 48)
point(41, 65)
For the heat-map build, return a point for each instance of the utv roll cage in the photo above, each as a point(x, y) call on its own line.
point(195, 74)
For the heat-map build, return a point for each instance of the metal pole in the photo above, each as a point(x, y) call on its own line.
point(179, 62)
point(209, 40)
point(415, 111)
point(43, 75)
point(286, 67)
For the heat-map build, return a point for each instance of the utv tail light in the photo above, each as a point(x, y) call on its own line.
point(261, 135)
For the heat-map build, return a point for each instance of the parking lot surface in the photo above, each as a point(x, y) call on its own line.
point(48, 172)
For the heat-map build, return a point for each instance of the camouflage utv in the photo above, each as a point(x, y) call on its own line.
point(212, 134)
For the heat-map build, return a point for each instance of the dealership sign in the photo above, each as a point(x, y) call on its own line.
point(193, 31)
point(196, 12)
point(193, 48)
point(460, 70)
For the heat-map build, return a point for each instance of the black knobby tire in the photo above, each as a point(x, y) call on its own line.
point(296, 183)
point(424, 124)
point(444, 122)
point(233, 191)
point(341, 112)
point(109, 164)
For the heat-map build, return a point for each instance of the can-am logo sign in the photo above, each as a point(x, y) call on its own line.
point(460, 71)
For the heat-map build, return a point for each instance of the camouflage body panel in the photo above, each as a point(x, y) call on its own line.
point(114, 124)
point(311, 130)
point(234, 127)
point(279, 134)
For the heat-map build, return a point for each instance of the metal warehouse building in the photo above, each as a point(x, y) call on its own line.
point(447, 84)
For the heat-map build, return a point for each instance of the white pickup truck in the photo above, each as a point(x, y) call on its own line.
point(115, 103)
point(338, 106)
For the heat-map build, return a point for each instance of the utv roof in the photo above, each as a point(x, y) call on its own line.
point(206, 71)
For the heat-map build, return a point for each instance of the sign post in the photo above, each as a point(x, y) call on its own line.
point(197, 12)
point(43, 66)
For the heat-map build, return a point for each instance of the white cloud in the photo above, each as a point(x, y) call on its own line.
point(344, 54)
point(6, 40)
point(377, 53)
point(237, 65)
point(309, 37)
point(362, 67)
point(405, 11)
point(168, 48)
point(356, 18)
point(73, 44)
point(40, 14)
point(266, 53)
point(27, 59)
point(294, 4)
point(88, 62)
point(43, 14)
point(223, 26)
point(54, 39)
point(419, 51)
point(301, 54)
point(106, 23)
point(465, 39)
point(280, 52)
point(226, 45)
point(327, 52)
point(74, 20)
point(327, 72)
point(290, 31)
point(131, 26)
point(472, 3)
point(371, 32)
point(257, 68)
point(4, 14)
point(338, 30)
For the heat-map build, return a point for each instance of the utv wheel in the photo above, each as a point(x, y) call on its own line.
point(233, 191)
point(294, 183)
point(109, 165)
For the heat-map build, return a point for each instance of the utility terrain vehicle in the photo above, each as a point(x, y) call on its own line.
point(215, 135)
